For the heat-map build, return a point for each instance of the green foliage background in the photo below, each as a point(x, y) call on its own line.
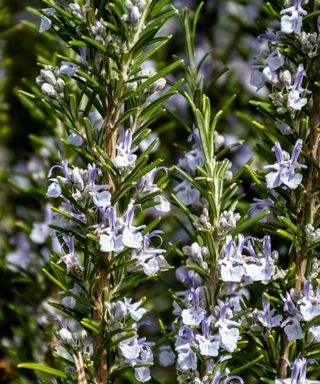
point(226, 29)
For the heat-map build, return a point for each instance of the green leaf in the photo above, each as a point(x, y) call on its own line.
point(288, 223)
point(285, 234)
point(244, 224)
point(45, 369)
point(156, 46)
point(57, 282)
point(252, 174)
point(246, 366)
point(152, 79)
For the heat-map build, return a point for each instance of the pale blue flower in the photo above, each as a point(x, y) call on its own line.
point(134, 309)
point(166, 356)
point(132, 238)
point(125, 158)
point(208, 344)
point(275, 60)
point(102, 199)
point(45, 23)
point(267, 316)
point(69, 69)
point(284, 171)
point(187, 358)
point(231, 263)
point(70, 259)
point(150, 259)
point(291, 325)
point(41, 231)
point(260, 206)
point(298, 374)
point(310, 303)
point(220, 375)
point(295, 101)
point(259, 267)
point(187, 193)
point(142, 374)
point(120, 233)
point(111, 238)
point(130, 347)
point(291, 20)
point(228, 333)
point(193, 315)
point(75, 139)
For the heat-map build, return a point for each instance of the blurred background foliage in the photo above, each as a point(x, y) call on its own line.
point(227, 29)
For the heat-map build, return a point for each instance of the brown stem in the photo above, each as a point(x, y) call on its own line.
point(102, 360)
point(309, 205)
point(81, 375)
point(284, 358)
point(306, 215)
point(110, 140)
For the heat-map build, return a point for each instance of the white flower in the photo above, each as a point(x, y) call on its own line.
point(291, 20)
point(142, 374)
point(207, 347)
point(135, 312)
point(164, 205)
point(40, 232)
point(130, 347)
point(187, 193)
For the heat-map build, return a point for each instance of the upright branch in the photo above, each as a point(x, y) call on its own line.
point(310, 204)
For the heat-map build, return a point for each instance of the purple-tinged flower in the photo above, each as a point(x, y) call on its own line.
point(219, 375)
point(285, 168)
point(267, 317)
point(283, 127)
point(187, 358)
point(310, 303)
point(125, 158)
point(298, 374)
point(291, 325)
point(137, 352)
point(166, 356)
point(272, 63)
point(71, 260)
point(260, 206)
point(69, 69)
point(291, 20)
point(41, 231)
point(136, 313)
point(187, 193)
point(208, 344)
point(231, 263)
point(142, 374)
point(45, 23)
point(194, 315)
point(20, 256)
point(147, 185)
point(295, 101)
point(257, 79)
point(132, 238)
point(130, 347)
point(228, 334)
point(259, 267)
point(75, 139)
point(120, 233)
point(111, 238)
point(150, 259)
point(275, 60)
